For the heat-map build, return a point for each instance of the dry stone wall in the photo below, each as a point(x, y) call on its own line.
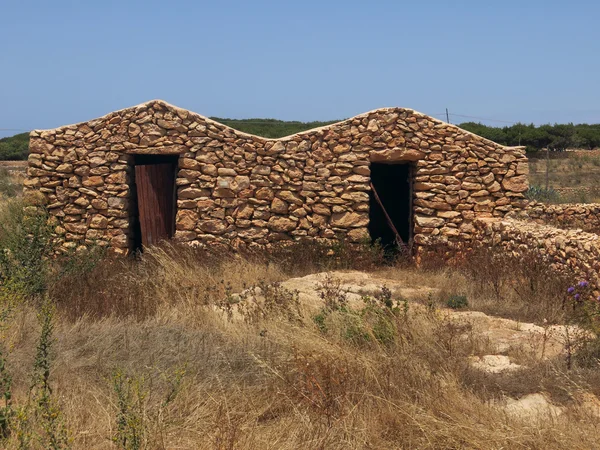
point(567, 216)
point(245, 190)
point(573, 252)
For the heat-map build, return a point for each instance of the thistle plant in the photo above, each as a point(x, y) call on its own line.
point(131, 427)
point(47, 411)
point(6, 409)
point(585, 306)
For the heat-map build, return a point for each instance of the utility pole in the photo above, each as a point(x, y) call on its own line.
point(447, 116)
point(547, 165)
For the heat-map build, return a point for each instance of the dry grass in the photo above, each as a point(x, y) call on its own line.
point(275, 383)
point(205, 382)
point(520, 287)
point(576, 178)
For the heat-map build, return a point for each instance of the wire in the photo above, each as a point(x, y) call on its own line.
point(481, 118)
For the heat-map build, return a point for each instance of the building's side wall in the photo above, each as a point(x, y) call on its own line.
point(243, 190)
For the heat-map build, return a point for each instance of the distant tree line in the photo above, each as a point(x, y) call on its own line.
point(555, 137)
point(270, 128)
point(14, 148)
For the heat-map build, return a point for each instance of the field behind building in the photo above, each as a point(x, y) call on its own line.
point(572, 178)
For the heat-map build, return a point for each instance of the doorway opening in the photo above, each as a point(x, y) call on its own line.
point(154, 194)
point(390, 206)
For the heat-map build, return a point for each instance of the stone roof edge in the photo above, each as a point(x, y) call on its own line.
point(284, 138)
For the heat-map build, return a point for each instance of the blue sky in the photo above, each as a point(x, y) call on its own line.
point(529, 60)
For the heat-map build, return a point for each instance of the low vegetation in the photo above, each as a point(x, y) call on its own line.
point(271, 128)
point(190, 348)
point(535, 138)
point(14, 148)
point(575, 179)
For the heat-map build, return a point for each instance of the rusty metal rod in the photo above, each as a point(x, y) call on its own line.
point(389, 220)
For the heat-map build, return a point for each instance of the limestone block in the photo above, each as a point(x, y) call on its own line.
point(186, 219)
point(517, 183)
point(429, 222)
point(282, 224)
point(349, 219)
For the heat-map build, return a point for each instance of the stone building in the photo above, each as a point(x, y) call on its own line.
point(154, 171)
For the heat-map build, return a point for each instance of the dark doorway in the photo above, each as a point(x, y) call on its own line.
point(393, 185)
point(155, 195)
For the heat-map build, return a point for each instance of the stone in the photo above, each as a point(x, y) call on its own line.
point(186, 219)
point(189, 163)
point(99, 204)
point(65, 168)
point(223, 193)
point(99, 221)
point(281, 224)
point(341, 148)
point(290, 197)
point(133, 130)
point(349, 220)
point(397, 154)
point(448, 214)
point(93, 181)
point(428, 222)
point(117, 178)
point(118, 202)
point(362, 170)
point(373, 126)
point(277, 147)
point(279, 206)
point(518, 183)
point(75, 227)
point(209, 169)
point(224, 172)
point(522, 168)
point(193, 193)
point(265, 193)
point(213, 226)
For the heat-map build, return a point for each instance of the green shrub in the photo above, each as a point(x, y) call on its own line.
point(131, 426)
point(54, 433)
point(8, 187)
point(457, 301)
point(6, 410)
point(26, 242)
point(320, 319)
point(265, 301)
point(15, 147)
point(375, 322)
point(542, 194)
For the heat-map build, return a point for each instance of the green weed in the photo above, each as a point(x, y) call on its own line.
point(457, 301)
point(47, 411)
point(131, 426)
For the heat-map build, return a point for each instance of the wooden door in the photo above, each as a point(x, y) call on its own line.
point(155, 185)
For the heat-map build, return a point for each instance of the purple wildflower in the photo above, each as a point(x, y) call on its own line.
point(583, 284)
point(571, 290)
point(577, 296)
